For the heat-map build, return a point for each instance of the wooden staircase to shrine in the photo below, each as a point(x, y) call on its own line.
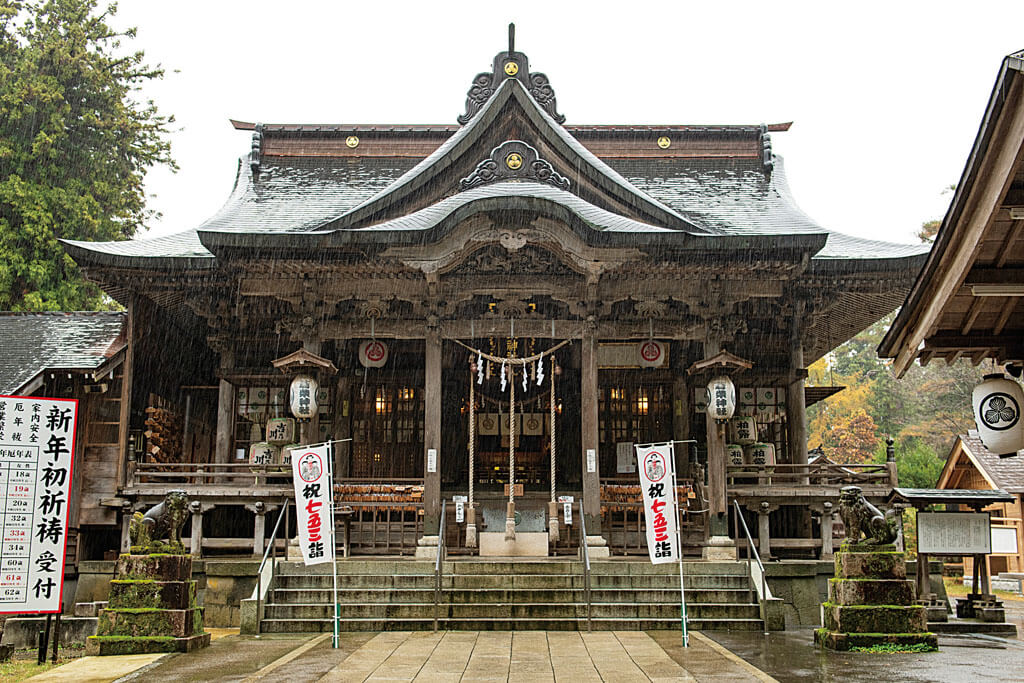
point(398, 595)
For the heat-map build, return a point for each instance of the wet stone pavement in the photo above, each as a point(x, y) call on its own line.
point(790, 656)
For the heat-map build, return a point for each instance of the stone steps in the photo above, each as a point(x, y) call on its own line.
point(501, 595)
point(508, 624)
point(515, 581)
point(578, 610)
point(384, 595)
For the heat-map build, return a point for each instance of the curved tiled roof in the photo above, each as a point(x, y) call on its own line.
point(34, 342)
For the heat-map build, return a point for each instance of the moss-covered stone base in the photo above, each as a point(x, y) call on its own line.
point(152, 593)
point(870, 565)
point(138, 645)
point(147, 621)
point(153, 608)
point(875, 618)
point(156, 567)
point(870, 591)
point(844, 641)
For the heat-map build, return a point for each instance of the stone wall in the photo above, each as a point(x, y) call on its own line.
point(803, 586)
point(222, 584)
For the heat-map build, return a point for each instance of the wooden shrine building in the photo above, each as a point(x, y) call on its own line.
point(615, 257)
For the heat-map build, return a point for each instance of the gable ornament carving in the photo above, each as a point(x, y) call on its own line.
point(514, 159)
point(516, 66)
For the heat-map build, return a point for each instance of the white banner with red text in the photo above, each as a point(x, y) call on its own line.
point(311, 474)
point(655, 463)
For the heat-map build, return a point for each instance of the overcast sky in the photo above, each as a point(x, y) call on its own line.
point(886, 97)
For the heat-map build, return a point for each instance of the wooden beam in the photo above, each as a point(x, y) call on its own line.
point(972, 314)
point(979, 356)
point(1011, 236)
point(925, 357)
point(1004, 315)
point(985, 275)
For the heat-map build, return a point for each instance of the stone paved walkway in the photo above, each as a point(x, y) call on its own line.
point(534, 656)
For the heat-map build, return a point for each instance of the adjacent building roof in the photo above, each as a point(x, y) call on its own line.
point(34, 343)
point(968, 299)
point(977, 498)
point(1001, 473)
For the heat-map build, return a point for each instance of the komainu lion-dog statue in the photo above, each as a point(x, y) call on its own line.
point(859, 516)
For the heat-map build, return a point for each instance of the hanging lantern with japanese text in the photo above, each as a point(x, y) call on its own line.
point(721, 398)
point(302, 397)
point(997, 404)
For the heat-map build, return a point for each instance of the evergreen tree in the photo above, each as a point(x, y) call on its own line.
point(75, 146)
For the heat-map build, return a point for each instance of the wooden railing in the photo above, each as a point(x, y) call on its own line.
point(827, 474)
point(236, 475)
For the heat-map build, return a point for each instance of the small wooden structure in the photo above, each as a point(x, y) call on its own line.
point(980, 601)
point(970, 465)
point(511, 234)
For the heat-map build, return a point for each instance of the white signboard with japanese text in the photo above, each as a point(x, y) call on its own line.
point(37, 443)
point(655, 468)
point(311, 475)
point(954, 533)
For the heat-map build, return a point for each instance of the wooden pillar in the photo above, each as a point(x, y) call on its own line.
point(225, 410)
point(681, 424)
point(719, 545)
point(432, 433)
point(924, 587)
point(343, 427)
point(588, 430)
point(796, 409)
point(127, 383)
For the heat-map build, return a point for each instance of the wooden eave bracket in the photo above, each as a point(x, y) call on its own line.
point(721, 361)
point(304, 360)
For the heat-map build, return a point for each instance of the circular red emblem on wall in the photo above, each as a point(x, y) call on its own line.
point(650, 351)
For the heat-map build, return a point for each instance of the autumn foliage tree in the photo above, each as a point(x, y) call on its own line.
point(75, 145)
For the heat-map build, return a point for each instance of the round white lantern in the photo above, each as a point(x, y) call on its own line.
point(373, 353)
point(721, 398)
point(997, 405)
point(743, 430)
point(302, 397)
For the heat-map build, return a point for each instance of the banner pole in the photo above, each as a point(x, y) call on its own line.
point(334, 550)
point(679, 550)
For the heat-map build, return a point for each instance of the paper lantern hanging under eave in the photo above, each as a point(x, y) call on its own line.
point(302, 397)
point(373, 353)
point(721, 398)
point(997, 404)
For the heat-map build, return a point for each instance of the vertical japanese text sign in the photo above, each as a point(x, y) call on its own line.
point(655, 467)
point(37, 443)
point(312, 480)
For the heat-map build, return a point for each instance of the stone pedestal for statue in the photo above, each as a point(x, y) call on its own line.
point(152, 608)
point(871, 602)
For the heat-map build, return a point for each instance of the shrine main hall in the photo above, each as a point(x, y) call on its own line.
point(493, 312)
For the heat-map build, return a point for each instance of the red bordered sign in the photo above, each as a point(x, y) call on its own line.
point(37, 446)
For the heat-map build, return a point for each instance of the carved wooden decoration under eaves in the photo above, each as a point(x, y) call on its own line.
point(514, 159)
point(496, 260)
